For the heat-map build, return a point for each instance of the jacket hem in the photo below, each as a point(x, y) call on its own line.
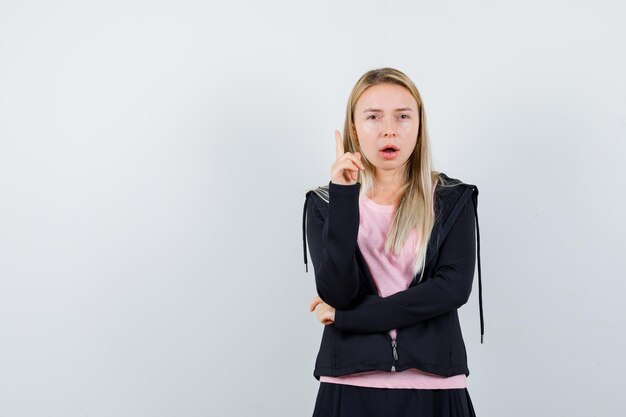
point(432, 369)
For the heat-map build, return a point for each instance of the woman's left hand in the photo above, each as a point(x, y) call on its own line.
point(325, 313)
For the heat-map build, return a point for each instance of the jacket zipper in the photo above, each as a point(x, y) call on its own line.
point(394, 342)
point(394, 350)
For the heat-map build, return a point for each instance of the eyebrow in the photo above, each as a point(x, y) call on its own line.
point(380, 111)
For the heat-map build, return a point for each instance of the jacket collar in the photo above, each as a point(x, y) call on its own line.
point(448, 204)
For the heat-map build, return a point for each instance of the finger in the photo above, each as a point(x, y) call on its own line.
point(348, 164)
point(324, 317)
point(314, 302)
point(338, 144)
point(355, 159)
point(348, 168)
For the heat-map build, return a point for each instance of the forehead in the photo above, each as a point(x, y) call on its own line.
point(386, 97)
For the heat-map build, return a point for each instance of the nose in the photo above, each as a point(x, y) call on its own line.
point(390, 128)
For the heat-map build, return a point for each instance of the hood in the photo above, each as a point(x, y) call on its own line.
point(322, 192)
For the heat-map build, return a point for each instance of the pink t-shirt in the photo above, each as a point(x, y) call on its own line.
point(391, 273)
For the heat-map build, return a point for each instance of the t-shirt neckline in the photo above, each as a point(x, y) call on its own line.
point(378, 207)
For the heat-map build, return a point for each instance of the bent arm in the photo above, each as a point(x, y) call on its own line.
point(447, 290)
point(332, 244)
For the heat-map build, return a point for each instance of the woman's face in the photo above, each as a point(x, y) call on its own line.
point(386, 115)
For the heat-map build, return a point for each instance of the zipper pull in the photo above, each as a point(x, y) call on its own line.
point(394, 344)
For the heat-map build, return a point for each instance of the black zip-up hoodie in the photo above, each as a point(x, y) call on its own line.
point(429, 334)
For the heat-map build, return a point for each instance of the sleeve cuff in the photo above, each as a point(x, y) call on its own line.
point(344, 189)
point(339, 319)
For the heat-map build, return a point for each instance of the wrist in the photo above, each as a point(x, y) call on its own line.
point(343, 189)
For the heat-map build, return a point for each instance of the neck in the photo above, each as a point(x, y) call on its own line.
point(388, 181)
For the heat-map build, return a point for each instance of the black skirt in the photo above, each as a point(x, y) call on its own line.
point(341, 400)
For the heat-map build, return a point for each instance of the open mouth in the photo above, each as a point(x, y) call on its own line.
point(389, 147)
point(389, 151)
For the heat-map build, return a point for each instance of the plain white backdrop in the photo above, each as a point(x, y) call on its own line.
point(154, 157)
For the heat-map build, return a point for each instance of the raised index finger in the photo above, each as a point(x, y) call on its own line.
point(338, 144)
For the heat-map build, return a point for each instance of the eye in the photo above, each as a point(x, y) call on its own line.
point(407, 116)
point(371, 115)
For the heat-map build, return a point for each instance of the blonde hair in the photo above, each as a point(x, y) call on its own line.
point(416, 194)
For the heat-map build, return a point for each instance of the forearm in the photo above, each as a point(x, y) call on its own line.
point(447, 290)
point(332, 244)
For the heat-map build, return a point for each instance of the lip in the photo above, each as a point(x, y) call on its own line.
point(389, 145)
point(389, 155)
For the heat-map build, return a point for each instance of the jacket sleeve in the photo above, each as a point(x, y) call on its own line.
point(447, 290)
point(332, 244)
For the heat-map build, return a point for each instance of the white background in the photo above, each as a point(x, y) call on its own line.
point(154, 157)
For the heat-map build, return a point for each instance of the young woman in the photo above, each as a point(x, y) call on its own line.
point(393, 246)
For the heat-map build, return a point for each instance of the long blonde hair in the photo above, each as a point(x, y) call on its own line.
point(417, 191)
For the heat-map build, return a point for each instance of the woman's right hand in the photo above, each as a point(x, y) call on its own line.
point(344, 171)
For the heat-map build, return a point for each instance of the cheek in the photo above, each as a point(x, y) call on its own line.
point(409, 129)
point(368, 134)
point(368, 129)
point(369, 149)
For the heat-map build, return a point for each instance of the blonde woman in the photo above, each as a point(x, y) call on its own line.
point(393, 246)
